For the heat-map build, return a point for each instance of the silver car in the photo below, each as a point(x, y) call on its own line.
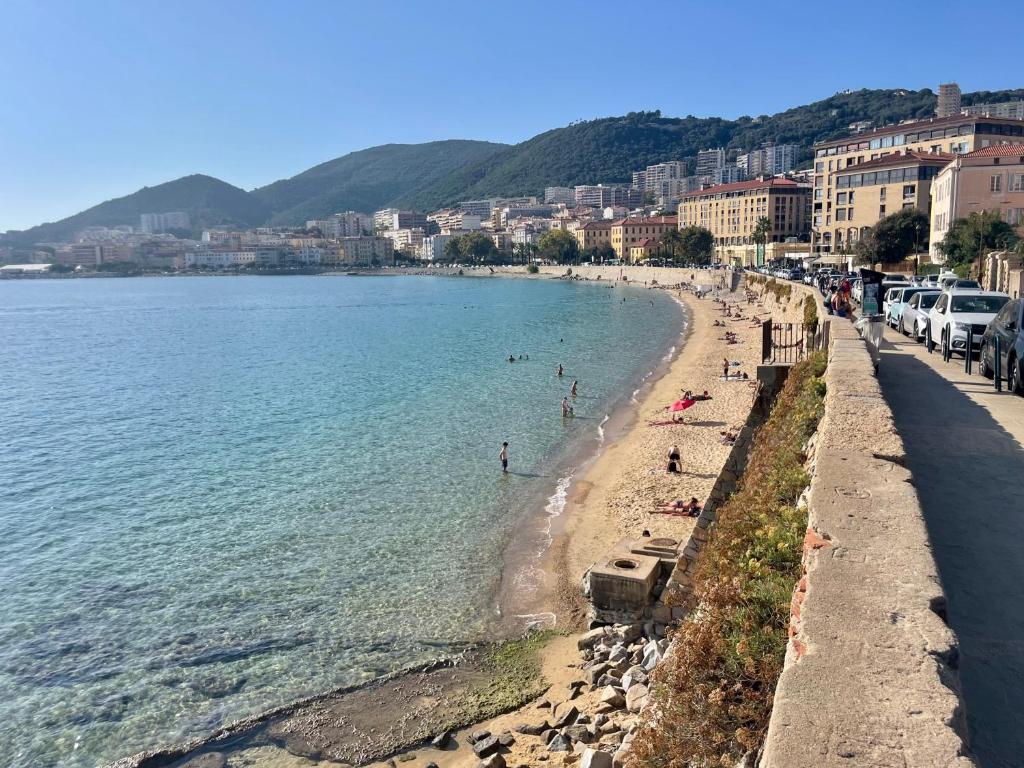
point(914, 318)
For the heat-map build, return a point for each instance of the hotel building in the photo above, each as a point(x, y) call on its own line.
point(731, 211)
point(626, 233)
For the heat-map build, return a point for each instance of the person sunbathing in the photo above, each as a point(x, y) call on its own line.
point(690, 508)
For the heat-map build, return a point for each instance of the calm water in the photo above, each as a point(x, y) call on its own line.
point(220, 494)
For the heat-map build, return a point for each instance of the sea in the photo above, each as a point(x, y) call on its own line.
point(222, 494)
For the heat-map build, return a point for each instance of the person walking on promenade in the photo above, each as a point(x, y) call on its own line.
point(503, 455)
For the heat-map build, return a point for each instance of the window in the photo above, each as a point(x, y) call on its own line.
point(841, 214)
point(841, 198)
point(996, 183)
point(881, 211)
point(852, 193)
point(1015, 217)
point(909, 190)
point(819, 167)
point(1016, 182)
point(881, 193)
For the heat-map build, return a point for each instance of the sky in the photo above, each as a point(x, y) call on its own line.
point(101, 97)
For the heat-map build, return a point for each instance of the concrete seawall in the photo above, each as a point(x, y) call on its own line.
point(870, 676)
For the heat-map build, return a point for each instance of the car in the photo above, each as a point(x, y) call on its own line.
point(914, 317)
point(1006, 326)
point(889, 285)
point(956, 312)
point(961, 283)
point(898, 298)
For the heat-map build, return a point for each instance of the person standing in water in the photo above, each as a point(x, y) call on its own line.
point(503, 455)
point(566, 407)
point(573, 390)
point(559, 369)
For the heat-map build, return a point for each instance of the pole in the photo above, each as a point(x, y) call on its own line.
point(997, 365)
point(969, 354)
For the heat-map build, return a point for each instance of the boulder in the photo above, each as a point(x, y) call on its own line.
point(578, 733)
point(593, 758)
point(442, 740)
point(476, 736)
point(613, 739)
point(636, 697)
point(608, 727)
point(209, 760)
point(406, 757)
point(628, 633)
point(431, 765)
point(532, 730)
point(565, 714)
point(493, 761)
point(595, 672)
point(486, 746)
point(600, 720)
point(633, 675)
point(609, 679)
point(612, 697)
point(559, 744)
point(506, 739)
point(588, 639)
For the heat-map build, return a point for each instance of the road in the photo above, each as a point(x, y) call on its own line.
point(964, 448)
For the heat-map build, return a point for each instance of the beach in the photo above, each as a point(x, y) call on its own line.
point(612, 497)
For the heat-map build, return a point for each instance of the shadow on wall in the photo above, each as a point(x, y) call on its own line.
point(967, 472)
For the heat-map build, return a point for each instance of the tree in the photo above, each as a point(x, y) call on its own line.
point(697, 244)
point(672, 241)
point(524, 251)
point(894, 237)
point(762, 228)
point(558, 245)
point(967, 239)
point(474, 246)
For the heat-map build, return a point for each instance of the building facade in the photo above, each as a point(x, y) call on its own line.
point(731, 211)
point(594, 234)
point(455, 220)
point(627, 233)
point(990, 179)
point(394, 218)
point(602, 196)
point(949, 100)
point(709, 161)
point(557, 195)
point(957, 134)
point(1013, 110)
point(153, 223)
point(346, 224)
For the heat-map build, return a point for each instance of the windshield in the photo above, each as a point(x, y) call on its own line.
point(928, 300)
point(979, 304)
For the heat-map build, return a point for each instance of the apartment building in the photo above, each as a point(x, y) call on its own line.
point(559, 195)
point(768, 161)
point(407, 240)
point(432, 248)
point(731, 211)
point(957, 134)
point(346, 224)
point(867, 192)
point(949, 100)
point(709, 161)
point(594, 234)
point(627, 233)
point(152, 223)
point(211, 259)
point(394, 218)
point(455, 220)
point(358, 251)
point(729, 174)
point(990, 179)
point(1014, 110)
point(602, 196)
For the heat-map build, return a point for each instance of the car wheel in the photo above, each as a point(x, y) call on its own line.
point(983, 368)
point(1013, 377)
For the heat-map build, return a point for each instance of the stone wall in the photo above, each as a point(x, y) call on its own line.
point(870, 676)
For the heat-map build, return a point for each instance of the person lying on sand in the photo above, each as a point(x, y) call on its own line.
point(689, 508)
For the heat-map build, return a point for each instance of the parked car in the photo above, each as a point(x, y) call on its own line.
point(898, 298)
point(1006, 326)
point(887, 286)
point(958, 310)
point(959, 282)
point(915, 313)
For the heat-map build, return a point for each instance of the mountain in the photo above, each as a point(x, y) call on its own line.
point(208, 201)
point(370, 179)
point(429, 176)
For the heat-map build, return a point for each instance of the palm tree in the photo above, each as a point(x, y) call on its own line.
point(672, 241)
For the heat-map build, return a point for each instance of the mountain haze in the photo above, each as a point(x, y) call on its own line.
point(431, 175)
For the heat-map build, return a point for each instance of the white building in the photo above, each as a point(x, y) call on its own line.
point(407, 240)
point(395, 218)
point(1014, 110)
point(432, 248)
point(556, 195)
point(709, 161)
point(770, 160)
point(219, 259)
point(152, 223)
point(454, 220)
point(347, 224)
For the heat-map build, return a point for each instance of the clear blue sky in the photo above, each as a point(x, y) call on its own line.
point(101, 97)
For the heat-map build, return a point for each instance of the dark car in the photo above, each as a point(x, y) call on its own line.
point(1006, 326)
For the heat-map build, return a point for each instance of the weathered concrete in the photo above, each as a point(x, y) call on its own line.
point(870, 677)
point(963, 446)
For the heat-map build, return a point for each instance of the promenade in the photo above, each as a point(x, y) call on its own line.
point(964, 449)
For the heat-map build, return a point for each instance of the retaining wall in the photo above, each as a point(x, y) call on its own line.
point(870, 676)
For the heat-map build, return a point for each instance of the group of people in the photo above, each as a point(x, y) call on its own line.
point(837, 300)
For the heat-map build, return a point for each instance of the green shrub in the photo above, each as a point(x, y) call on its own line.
point(533, 269)
point(714, 693)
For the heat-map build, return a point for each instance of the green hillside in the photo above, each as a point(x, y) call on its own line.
point(208, 201)
point(370, 179)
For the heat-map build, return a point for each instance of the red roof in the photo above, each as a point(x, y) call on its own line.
point(648, 220)
point(901, 158)
point(606, 224)
point(740, 186)
point(916, 125)
point(999, 150)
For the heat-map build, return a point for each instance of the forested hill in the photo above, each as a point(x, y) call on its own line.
point(428, 176)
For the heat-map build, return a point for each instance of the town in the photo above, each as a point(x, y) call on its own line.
point(937, 191)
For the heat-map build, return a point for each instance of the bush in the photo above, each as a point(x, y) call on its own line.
point(533, 269)
point(714, 692)
point(810, 312)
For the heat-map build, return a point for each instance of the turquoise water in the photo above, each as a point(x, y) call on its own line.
point(220, 494)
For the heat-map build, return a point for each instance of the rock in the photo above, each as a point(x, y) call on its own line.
point(565, 714)
point(593, 758)
point(209, 760)
point(629, 633)
point(632, 675)
point(543, 704)
point(559, 744)
point(542, 757)
point(532, 730)
point(595, 672)
point(476, 736)
point(583, 719)
point(442, 740)
point(431, 765)
point(636, 697)
point(609, 679)
point(619, 757)
point(600, 720)
point(493, 761)
point(548, 735)
point(405, 758)
point(651, 656)
point(618, 653)
point(614, 738)
point(578, 733)
point(608, 727)
point(588, 639)
point(486, 746)
point(506, 739)
point(612, 697)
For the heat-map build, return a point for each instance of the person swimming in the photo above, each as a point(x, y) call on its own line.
point(511, 359)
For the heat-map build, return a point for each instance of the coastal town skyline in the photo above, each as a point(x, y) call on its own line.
point(179, 113)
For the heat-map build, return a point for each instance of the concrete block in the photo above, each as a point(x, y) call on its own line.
point(623, 581)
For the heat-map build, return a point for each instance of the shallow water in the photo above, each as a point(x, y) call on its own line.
point(220, 494)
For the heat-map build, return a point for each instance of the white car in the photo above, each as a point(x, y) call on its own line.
point(915, 314)
point(956, 311)
point(897, 301)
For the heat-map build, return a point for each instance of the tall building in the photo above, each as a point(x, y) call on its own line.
point(394, 218)
point(655, 176)
point(949, 100)
point(154, 223)
point(556, 195)
point(731, 211)
point(454, 220)
point(709, 161)
point(990, 179)
point(481, 208)
point(603, 196)
point(347, 224)
point(956, 134)
point(728, 174)
point(769, 160)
